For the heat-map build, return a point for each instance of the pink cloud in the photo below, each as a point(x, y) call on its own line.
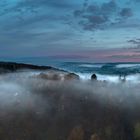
point(100, 55)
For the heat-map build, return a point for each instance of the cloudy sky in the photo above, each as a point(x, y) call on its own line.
point(86, 30)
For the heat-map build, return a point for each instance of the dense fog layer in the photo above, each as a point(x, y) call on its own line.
point(23, 90)
point(32, 108)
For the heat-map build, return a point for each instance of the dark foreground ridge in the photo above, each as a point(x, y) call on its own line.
point(12, 67)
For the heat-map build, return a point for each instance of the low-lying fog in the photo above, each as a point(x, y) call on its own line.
point(23, 90)
point(63, 103)
point(135, 78)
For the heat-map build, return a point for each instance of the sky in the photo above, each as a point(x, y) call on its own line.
point(85, 30)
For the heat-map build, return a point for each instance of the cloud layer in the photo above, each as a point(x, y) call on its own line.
point(59, 28)
point(105, 15)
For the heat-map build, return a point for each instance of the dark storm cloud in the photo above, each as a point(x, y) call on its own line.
point(135, 42)
point(126, 12)
point(94, 22)
point(96, 16)
point(109, 8)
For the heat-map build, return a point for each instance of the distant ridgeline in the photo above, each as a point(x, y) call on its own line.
point(12, 67)
point(103, 68)
point(100, 68)
point(113, 69)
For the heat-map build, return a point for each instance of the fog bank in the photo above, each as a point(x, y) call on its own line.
point(53, 109)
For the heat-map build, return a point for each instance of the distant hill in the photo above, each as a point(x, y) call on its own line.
point(12, 67)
